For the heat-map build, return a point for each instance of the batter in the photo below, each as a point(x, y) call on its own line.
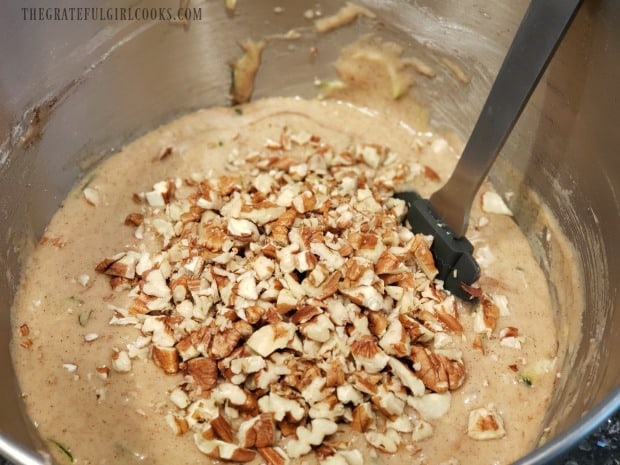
point(84, 398)
point(237, 285)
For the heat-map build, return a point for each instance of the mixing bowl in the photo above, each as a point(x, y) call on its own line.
point(73, 91)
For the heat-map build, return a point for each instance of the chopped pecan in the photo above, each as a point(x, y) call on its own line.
point(335, 373)
point(258, 432)
point(165, 153)
point(329, 286)
point(244, 328)
point(508, 331)
point(369, 355)
point(437, 372)
point(424, 257)
point(222, 428)
point(485, 423)
point(415, 330)
point(24, 330)
point(138, 306)
point(450, 322)
point(389, 263)
point(218, 449)
point(179, 425)
point(204, 371)
point(134, 219)
point(166, 358)
point(477, 343)
point(431, 174)
point(304, 314)
point(225, 342)
point(122, 265)
point(273, 455)
point(269, 251)
point(281, 227)
point(253, 314)
point(365, 382)
point(324, 451)
point(474, 292)
point(288, 427)
point(490, 312)
point(362, 417)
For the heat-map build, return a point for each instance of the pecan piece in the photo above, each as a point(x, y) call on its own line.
point(223, 450)
point(121, 264)
point(222, 428)
point(335, 375)
point(224, 343)
point(377, 323)
point(490, 312)
point(450, 322)
point(213, 238)
point(134, 219)
point(253, 314)
point(166, 358)
point(304, 314)
point(24, 330)
point(329, 286)
point(362, 417)
point(484, 424)
point(368, 355)
point(281, 226)
point(258, 432)
point(423, 256)
point(273, 455)
point(389, 263)
point(204, 372)
point(437, 372)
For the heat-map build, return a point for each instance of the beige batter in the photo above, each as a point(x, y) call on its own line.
point(95, 407)
point(61, 315)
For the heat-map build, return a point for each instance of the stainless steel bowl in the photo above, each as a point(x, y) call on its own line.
point(70, 92)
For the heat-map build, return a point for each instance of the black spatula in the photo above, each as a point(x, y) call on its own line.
point(446, 215)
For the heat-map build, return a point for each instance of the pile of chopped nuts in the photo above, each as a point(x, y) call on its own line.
point(293, 301)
